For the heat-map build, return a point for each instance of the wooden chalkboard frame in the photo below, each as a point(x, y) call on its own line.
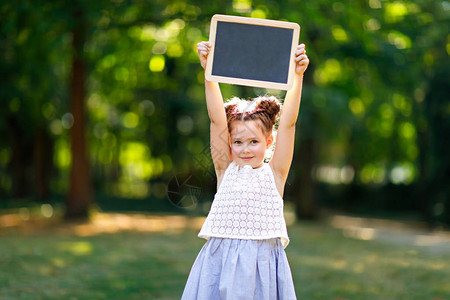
point(258, 22)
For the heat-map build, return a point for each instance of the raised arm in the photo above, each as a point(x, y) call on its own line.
point(284, 149)
point(220, 149)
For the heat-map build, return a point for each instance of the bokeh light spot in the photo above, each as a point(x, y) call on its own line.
point(130, 120)
point(157, 63)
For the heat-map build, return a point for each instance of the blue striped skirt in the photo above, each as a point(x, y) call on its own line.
point(233, 269)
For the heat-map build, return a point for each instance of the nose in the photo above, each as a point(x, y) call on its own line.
point(246, 149)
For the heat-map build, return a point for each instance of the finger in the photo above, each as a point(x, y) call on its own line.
point(200, 49)
point(300, 51)
point(204, 45)
point(301, 57)
point(304, 62)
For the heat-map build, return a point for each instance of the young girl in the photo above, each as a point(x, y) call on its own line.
point(246, 234)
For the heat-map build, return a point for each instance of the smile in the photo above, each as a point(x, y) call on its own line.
point(246, 158)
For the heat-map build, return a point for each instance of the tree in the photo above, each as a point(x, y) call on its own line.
point(80, 192)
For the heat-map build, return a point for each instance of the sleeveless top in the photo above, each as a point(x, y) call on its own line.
point(246, 206)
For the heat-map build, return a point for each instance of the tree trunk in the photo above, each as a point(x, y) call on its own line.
point(20, 160)
point(306, 204)
point(80, 191)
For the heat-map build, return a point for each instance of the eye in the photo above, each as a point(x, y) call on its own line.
point(237, 142)
point(254, 141)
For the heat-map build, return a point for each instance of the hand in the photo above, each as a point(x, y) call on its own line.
point(203, 49)
point(301, 59)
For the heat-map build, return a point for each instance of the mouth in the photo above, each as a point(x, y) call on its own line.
point(246, 158)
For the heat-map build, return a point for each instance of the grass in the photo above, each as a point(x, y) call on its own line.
point(56, 262)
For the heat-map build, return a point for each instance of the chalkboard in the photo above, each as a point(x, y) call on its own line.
point(252, 52)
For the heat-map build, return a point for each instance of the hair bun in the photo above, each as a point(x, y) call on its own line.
point(269, 105)
point(230, 108)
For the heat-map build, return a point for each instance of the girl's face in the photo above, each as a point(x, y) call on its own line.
point(249, 143)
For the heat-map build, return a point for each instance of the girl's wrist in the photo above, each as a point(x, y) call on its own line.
point(299, 76)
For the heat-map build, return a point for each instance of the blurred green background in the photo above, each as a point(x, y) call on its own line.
point(102, 105)
point(103, 118)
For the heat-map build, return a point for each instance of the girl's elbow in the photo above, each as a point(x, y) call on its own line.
point(214, 119)
point(288, 124)
point(292, 124)
point(218, 121)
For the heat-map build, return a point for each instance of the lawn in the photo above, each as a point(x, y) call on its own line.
point(149, 259)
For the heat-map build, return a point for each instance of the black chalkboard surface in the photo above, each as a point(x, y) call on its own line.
point(252, 52)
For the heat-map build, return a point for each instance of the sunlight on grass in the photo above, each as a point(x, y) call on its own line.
point(76, 248)
point(141, 256)
point(111, 223)
point(9, 220)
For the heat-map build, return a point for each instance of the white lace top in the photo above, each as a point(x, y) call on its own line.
point(247, 206)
